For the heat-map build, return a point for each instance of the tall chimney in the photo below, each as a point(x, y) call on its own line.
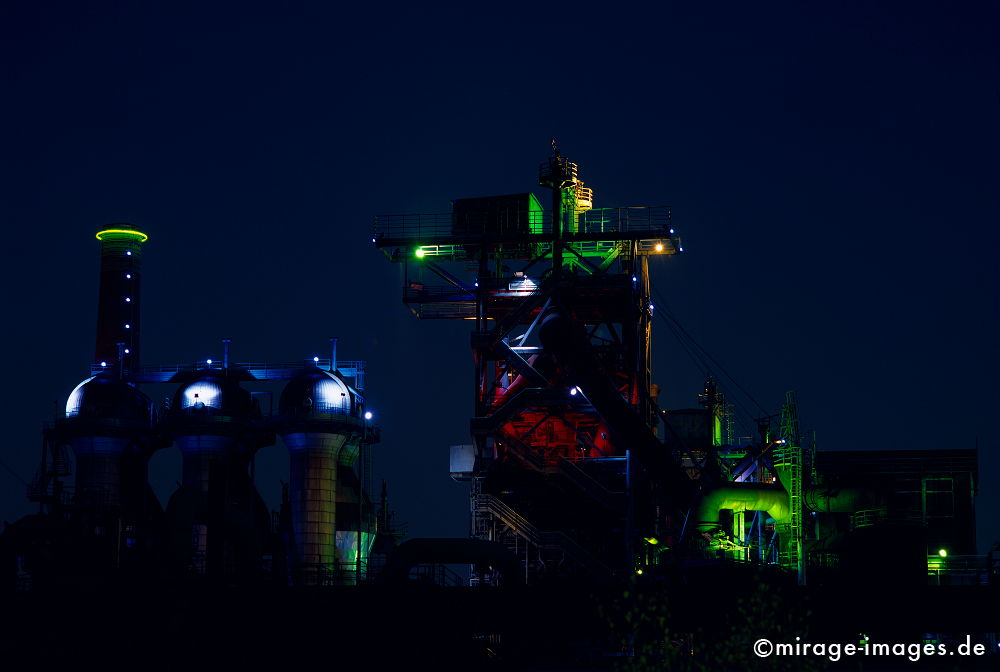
point(118, 297)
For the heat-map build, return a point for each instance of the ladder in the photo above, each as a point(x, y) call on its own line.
point(788, 462)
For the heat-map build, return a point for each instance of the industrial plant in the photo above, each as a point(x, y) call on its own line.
point(575, 466)
point(98, 515)
point(581, 481)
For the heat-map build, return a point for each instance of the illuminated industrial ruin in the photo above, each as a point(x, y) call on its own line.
point(581, 481)
point(215, 525)
point(574, 465)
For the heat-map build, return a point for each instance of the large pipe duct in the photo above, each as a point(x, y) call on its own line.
point(741, 496)
point(775, 501)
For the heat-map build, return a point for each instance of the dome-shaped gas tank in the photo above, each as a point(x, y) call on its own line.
point(318, 392)
point(211, 393)
point(106, 397)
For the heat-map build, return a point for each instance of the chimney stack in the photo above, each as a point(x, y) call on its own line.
point(118, 302)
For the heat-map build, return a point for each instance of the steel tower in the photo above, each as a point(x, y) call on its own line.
point(566, 421)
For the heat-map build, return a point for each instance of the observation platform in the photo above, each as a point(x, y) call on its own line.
point(524, 234)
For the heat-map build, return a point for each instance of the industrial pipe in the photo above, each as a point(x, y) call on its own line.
point(746, 496)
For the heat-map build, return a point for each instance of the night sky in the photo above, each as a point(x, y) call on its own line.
point(833, 168)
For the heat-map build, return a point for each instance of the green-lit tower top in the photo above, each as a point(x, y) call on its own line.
point(569, 198)
point(494, 235)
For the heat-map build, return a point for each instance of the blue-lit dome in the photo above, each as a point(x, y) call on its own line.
point(214, 394)
point(318, 391)
point(107, 397)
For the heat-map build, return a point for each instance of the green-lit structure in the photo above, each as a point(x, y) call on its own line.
point(585, 491)
point(574, 465)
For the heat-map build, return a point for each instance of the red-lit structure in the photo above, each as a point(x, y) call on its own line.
point(563, 398)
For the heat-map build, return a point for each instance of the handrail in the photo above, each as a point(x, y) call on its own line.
point(428, 228)
point(259, 370)
point(556, 539)
point(512, 518)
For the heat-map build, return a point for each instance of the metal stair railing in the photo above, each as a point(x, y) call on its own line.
point(447, 228)
point(559, 540)
point(518, 523)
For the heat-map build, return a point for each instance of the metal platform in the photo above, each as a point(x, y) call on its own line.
point(523, 234)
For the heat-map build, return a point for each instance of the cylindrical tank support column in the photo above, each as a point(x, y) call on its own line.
point(199, 452)
point(354, 536)
point(99, 469)
point(312, 489)
point(219, 522)
point(108, 425)
point(215, 474)
point(321, 422)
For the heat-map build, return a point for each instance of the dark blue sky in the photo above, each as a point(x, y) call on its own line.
point(832, 166)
